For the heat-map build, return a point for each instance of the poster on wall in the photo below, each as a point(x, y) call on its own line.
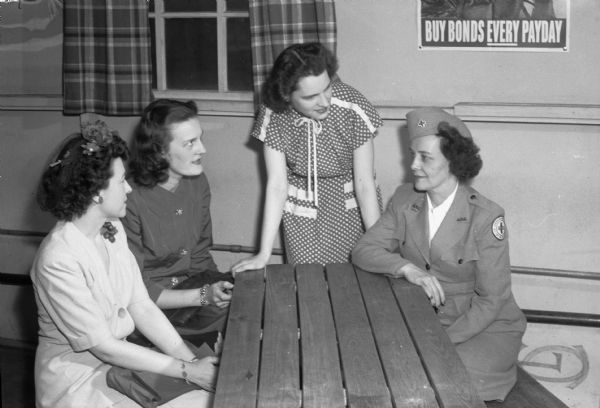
point(507, 25)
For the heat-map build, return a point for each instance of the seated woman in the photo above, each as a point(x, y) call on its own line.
point(168, 222)
point(89, 290)
point(445, 236)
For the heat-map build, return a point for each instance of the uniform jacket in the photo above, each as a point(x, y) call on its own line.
point(468, 255)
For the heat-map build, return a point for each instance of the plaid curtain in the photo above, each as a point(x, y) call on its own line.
point(277, 24)
point(106, 57)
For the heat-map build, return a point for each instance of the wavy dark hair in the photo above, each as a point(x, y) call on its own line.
point(461, 152)
point(73, 178)
point(294, 63)
point(148, 166)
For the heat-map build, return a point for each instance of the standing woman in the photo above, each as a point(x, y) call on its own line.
point(318, 146)
point(88, 288)
point(445, 236)
point(168, 220)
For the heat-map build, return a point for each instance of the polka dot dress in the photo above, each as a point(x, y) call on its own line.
point(322, 230)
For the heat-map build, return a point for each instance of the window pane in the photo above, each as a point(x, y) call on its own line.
point(191, 53)
point(239, 56)
point(237, 5)
point(191, 5)
point(151, 6)
point(153, 52)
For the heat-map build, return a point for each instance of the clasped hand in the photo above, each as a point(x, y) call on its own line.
point(219, 294)
point(203, 372)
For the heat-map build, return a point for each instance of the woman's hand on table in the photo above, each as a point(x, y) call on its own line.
point(428, 282)
point(257, 261)
point(203, 372)
point(219, 294)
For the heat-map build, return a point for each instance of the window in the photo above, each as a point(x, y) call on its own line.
point(201, 49)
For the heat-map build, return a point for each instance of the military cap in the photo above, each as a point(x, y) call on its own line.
point(425, 121)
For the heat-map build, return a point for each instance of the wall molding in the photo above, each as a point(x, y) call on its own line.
point(31, 103)
point(508, 112)
point(241, 106)
point(529, 113)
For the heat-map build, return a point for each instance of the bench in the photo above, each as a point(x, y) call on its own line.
point(528, 393)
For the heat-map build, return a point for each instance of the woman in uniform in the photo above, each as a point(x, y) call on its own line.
point(445, 236)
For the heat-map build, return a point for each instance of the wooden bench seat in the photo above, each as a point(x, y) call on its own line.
point(528, 393)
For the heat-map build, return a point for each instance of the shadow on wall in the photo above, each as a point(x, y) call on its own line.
point(256, 146)
point(19, 320)
point(406, 158)
point(21, 323)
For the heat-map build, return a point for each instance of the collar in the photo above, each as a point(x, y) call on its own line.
point(445, 205)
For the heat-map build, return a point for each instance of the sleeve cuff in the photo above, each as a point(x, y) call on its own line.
point(91, 339)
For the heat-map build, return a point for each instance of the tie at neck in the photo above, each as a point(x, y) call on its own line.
point(313, 129)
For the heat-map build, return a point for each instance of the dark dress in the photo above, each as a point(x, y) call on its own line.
point(170, 235)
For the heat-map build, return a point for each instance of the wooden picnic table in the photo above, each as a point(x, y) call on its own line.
point(336, 336)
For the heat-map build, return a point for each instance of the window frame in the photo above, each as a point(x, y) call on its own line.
point(218, 102)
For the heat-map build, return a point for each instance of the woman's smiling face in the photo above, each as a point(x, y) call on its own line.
point(312, 96)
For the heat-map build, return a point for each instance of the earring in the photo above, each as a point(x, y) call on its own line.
point(98, 199)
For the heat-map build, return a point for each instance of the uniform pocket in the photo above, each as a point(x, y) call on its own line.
point(461, 254)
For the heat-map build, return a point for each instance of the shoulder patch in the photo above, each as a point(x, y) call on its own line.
point(499, 228)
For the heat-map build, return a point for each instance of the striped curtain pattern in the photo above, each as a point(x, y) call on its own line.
point(277, 24)
point(107, 66)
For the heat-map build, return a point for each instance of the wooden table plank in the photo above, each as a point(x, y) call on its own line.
point(376, 323)
point(363, 375)
point(321, 377)
point(279, 384)
point(406, 377)
point(446, 371)
point(239, 365)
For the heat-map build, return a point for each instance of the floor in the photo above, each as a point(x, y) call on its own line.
point(565, 359)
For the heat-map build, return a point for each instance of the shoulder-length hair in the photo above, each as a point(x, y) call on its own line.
point(148, 165)
point(76, 176)
point(461, 152)
point(294, 63)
